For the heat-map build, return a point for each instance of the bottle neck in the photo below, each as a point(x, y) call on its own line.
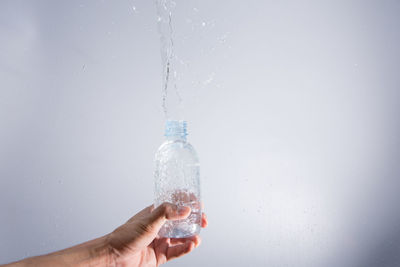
point(175, 138)
point(175, 130)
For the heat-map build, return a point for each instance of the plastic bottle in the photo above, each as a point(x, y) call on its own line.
point(177, 180)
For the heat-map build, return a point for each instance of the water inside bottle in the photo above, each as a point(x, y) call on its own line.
point(186, 227)
point(183, 228)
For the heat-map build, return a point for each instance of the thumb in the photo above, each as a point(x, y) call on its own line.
point(166, 211)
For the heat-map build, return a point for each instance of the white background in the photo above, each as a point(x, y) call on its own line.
point(296, 127)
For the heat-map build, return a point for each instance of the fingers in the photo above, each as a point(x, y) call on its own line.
point(195, 239)
point(204, 220)
point(183, 196)
point(170, 211)
point(162, 245)
point(142, 213)
point(167, 211)
point(180, 250)
point(170, 248)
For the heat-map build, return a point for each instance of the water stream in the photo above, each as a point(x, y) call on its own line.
point(192, 42)
point(165, 11)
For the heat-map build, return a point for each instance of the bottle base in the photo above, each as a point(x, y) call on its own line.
point(179, 231)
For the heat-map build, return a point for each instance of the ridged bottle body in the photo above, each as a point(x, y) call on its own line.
point(177, 180)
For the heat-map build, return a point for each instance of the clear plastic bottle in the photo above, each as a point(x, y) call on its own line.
point(177, 180)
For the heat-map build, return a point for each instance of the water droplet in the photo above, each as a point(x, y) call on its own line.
point(158, 18)
point(203, 24)
point(222, 39)
point(259, 209)
point(134, 9)
point(209, 79)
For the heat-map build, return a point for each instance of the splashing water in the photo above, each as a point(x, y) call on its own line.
point(189, 39)
point(165, 10)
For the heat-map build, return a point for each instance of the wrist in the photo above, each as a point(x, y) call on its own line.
point(96, 252)
point(101, 253)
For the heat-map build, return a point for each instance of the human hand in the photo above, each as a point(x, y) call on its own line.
point(136, 243)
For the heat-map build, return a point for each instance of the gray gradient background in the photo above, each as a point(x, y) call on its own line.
point(297, 133)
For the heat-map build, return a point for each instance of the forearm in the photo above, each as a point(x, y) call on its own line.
point(92, 253)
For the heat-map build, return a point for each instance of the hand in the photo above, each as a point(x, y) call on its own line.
point(136, 243)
